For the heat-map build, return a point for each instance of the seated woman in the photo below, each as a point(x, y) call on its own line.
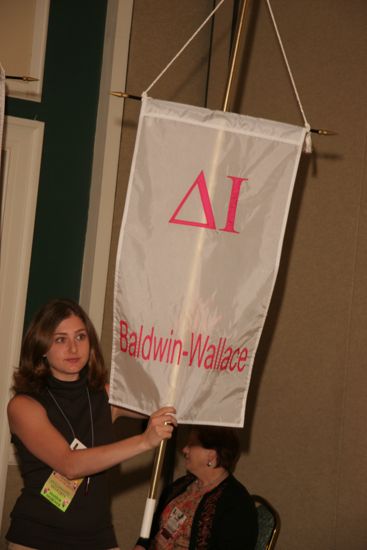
point(208, 508)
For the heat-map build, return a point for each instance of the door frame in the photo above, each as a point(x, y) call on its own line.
point(106, 159)
point(22, 146)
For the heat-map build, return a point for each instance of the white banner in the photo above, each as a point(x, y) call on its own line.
point(199, 250)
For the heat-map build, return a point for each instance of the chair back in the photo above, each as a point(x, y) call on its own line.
point(268, 524)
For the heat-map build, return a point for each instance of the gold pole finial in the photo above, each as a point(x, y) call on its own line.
point(126, 95)
point(24, 78)
point(323, 132)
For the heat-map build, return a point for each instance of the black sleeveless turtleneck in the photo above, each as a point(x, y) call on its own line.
point(86, 524)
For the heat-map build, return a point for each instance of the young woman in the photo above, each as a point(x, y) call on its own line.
point(61, 425)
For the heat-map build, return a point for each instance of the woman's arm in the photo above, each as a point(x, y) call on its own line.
point(116, 412)
point(235, 522)
point(28, 420)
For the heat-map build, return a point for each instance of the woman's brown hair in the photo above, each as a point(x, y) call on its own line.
point(31, 376)
point(223, 440)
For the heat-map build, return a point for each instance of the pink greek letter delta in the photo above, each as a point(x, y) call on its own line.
point(200, 182)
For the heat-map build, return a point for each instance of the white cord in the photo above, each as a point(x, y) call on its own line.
point(2, 112)
point(183, 47)
point(308, 144)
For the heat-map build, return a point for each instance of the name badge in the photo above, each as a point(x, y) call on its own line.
point(59, 490)
point(173, 524)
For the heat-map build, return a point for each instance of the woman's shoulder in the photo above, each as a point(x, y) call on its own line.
point(236, 488)
point(236, 518)
point(235, 502)
point(24, 412)
point(23, 403)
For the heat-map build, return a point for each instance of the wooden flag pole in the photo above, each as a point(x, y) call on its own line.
point(234, 53)
point(160, 452)
point(24, 78)
point(153, 490)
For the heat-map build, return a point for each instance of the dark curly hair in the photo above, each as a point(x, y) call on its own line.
point(223, 440)
point(33, 370)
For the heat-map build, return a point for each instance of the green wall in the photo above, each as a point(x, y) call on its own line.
point(69, 110)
